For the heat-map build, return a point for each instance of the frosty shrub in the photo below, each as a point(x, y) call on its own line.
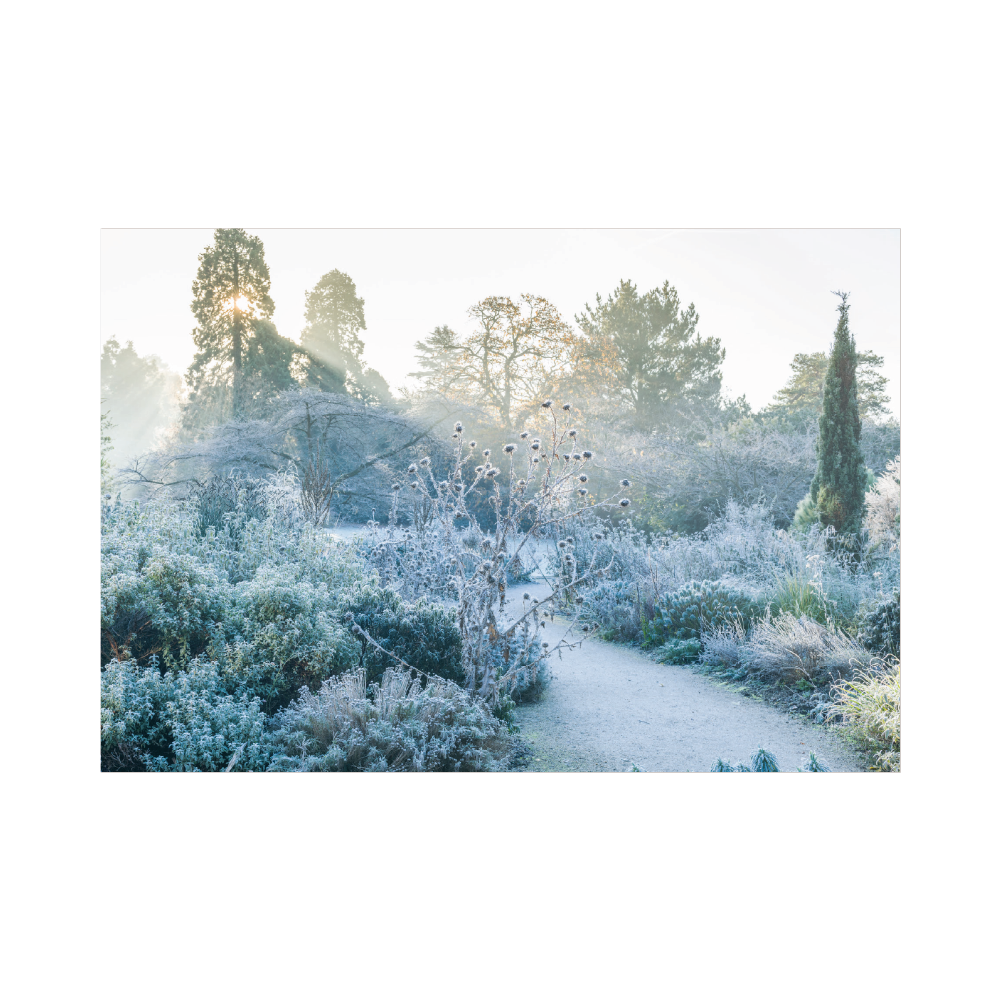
point(179, 721)
point(688, 612)
point(867, 708)
point(422, 633)
point(879, 628)
point(724, 646)
point(882, 508)
point(791, 649)
point(536, 493)
point(680, 652)
point(400, 724)
point(761, 761)
point(814, 764)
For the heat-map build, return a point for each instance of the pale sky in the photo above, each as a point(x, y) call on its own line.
point(765, 293)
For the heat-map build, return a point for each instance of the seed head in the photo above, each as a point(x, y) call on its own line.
point(545, 645)
point(521, 483)
point(414, 485)
point(582, 491)
point(472, 444)
point(486, 451)
point(566, 406)
point(624, 483)
point(566, 456)
point(492, 471)
point(576, 457)
point(486, 543)
point(624, 502)
point(510, 448)
point(523, 435)
point(582, 477)
point(547, 404)
point(458, 425)
point(479, 469)
point(587, 454)
point(455, 434)
point(356, 629)
point(348, 616)
point(572, 432)
point(396, 486)
point(425, 462)
point(412, 468)
point(526, 596)
point(535, 458)
point(535, 446)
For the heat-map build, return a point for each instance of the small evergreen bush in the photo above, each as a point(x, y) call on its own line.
point(879, 629)
point(685, 613)
point(424, 634)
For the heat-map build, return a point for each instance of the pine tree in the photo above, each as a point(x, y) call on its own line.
point(231, 293)
point(661, 367)
point(334, 317)
point(838, 488)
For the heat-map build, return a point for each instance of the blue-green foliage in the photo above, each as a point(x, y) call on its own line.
point(684, 613)
point(680, 651)
point(207, 630)
point(879, 629)
point(424, 634)
point(764, 761)
point(178, 721)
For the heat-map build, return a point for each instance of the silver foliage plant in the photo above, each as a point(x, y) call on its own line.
point(537, 494)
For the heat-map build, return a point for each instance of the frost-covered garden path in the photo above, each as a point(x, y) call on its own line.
point(608, 708)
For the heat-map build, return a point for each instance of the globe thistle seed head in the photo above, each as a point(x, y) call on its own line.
point(545, 645)
point(582, 491)
point(547, 404)
point(425, 462)
point(479, 469)
point(576, 457)
point(486, 451)
point(624, 483)
point(396, 486)
point(562, 544)
point(412, 468)
point(510, 448)
point(566, 406)
point(492, 471)
point(579, 600)
point(356, 629)
point(525, 596)
point(582, 477)
point(572, 432)
point(624, 502)
point(349, 616)
point(414, 485)
point(486, 544)
point(598, 536)
point(455, 434)
point(458, 425)
point(584, 628)
point(535, 458)
point(587, 453)
point(472, 444)
point(535, 446)
point(535, 601)
point(521, 483)
point(523, 435)
point(566, 456)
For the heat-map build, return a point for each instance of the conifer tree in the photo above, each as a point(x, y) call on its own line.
point(838, 487)
point(231, 293)
point(335, 314)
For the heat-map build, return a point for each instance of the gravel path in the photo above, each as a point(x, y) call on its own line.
point(610, 709)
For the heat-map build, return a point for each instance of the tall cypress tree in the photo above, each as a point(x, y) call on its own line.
point(838, 487)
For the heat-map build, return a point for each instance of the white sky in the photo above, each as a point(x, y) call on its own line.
point(765, 293)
